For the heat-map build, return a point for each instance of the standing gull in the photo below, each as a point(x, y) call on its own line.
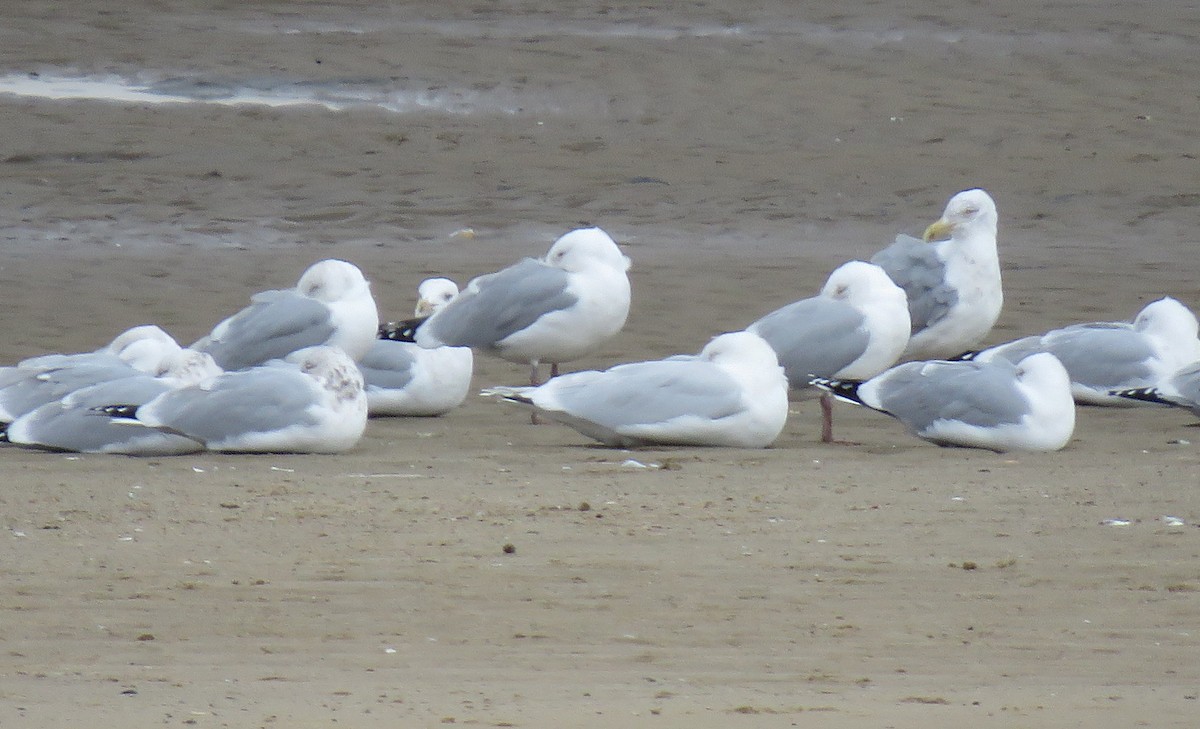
point(1105, 356)
point(997, 405)
point(952, 278)
point(554, 309)
point(404, 378)
point(734, 393)
point(312, 401)
point(854, 329)
point(331, 305)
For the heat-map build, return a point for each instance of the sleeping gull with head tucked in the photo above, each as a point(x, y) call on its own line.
point(330, 305)
point(404, 378)
point(45, 379)
point(1105, 356)
point(121, 343)
point(74, 424)
point(996, 405)
point(952, 278)
point(555, 309)
point(855, 328)
point(733, 393)
point(312, 401)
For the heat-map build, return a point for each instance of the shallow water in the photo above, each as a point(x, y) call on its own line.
point(276, 93)
point(714, 127)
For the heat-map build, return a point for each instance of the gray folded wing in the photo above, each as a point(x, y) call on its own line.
point(1102, 356)
point(976, 393)
point(258, 400)
point(276, 324)
point(73, 424)
point(30, 367)
point(814, 338)
point(914, 266)
point(39, 388)
point(646, 393)
point(388, 365)
point(59, 361)
point(1013, 351)
point(497, 305)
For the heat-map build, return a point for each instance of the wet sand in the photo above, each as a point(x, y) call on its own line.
point(739, 153)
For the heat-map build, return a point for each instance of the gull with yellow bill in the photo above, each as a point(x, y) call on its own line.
point(952, 277)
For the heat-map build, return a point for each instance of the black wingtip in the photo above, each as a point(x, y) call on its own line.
point(118, 411)
point(401, 331)
point(966, 356)
point(518, 399)
point(844, 389)
point(1143, 394)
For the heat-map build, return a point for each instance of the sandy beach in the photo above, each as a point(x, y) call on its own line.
point(477, 570)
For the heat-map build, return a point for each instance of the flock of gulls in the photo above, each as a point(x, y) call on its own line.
point(302, 369)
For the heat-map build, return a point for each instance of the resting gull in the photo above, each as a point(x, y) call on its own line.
point(404, 378)
point(46, 379)
point(1106, 356)
point(733, 393)
point(121, 343)
point(854, 329)
point(312, 401)
point(74, 424)
point(331, 304)
point(554, 309)
point(996, 405)
point(952, 278)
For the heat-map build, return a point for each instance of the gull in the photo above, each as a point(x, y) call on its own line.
point(74, 424)
point(330, 305)
point(123, 342)
point(855, 328)
point(1105, 356)
point(555, 309)
point(996, 405)
point(733, 393)
point(312, 401)
point(45, 379)
point(403, 378)
point(952, 278)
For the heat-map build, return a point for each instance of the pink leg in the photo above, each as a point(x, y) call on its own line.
point(826, 418)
